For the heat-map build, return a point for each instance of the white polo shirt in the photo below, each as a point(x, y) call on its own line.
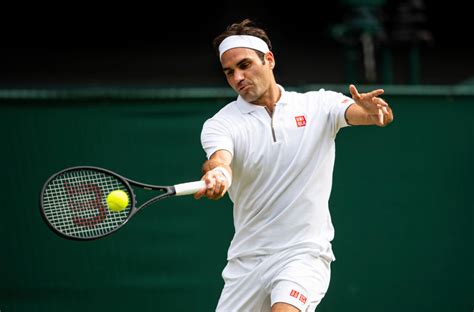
point(282, 170)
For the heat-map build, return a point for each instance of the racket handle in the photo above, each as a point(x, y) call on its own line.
point(189, 188)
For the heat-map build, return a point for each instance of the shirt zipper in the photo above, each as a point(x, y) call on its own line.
point(271, 124)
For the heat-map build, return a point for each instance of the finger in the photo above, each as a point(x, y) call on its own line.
point(353, 90)
point(384, 109)
point(379, 101)
point(209, 183)
point(199, 194)
point(380, 116)
point(382, 101)
point(388, 118)
point(224, 188)
point(217, 194)
point(221, 191)
point(210, 193)
point(217, 186)
point(375, 93)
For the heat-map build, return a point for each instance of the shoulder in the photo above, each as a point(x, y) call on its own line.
point(322, 94)
point(225, 117)
point(324, 97)
point(228, 111)
point(314, 95)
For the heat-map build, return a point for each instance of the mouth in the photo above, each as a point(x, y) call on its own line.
point(242, 88)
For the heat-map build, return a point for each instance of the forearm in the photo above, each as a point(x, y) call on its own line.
point(357, 116)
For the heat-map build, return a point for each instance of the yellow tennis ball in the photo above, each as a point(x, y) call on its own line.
point(117, 200)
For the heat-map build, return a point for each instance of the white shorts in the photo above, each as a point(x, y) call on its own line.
point(254, 284)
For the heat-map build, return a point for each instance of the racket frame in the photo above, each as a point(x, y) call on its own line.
point(168, 192)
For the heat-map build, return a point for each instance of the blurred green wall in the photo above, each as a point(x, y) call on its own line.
point(401, 204)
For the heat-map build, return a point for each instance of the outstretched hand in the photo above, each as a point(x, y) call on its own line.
point(377, 110)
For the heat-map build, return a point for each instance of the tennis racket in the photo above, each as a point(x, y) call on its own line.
point(73, 201)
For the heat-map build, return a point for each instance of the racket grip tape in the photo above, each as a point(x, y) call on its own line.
point(189, 187)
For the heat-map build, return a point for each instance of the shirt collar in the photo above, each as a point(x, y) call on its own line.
point(246, 107)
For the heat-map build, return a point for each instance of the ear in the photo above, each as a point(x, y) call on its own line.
point(270, 59)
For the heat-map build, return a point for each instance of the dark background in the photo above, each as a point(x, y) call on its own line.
point(162, 44)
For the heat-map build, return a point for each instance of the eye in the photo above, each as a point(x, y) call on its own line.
point(244, 65)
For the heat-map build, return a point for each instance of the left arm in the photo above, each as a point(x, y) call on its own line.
point(368, 109)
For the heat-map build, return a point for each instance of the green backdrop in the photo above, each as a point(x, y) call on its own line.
point(401, 203)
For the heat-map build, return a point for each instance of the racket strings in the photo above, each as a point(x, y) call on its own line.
point(75, 203)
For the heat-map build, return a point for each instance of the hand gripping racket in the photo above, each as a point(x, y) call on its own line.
point(73, 201)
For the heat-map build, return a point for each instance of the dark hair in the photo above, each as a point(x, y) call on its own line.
point(246, 27)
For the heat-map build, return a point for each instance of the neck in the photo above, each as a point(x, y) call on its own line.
point(270, 98)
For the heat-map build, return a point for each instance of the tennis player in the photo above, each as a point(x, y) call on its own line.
point(273, 151)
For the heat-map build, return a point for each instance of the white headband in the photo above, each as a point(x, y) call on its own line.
point(243, 41)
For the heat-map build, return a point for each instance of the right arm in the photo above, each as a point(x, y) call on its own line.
point(217, 183)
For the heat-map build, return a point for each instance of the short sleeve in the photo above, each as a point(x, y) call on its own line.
point(215, 135)
point(337, 104)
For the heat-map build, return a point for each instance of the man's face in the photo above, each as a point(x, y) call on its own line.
point(246, 73)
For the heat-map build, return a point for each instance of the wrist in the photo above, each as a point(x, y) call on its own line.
point(225, 173)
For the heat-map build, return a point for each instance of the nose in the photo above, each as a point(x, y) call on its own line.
point(238, 75)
